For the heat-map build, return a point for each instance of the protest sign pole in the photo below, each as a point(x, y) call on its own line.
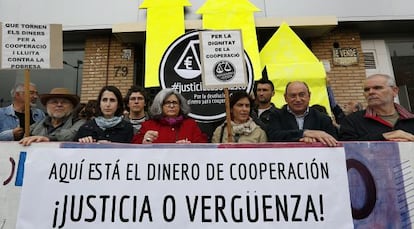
point(228, 115)
point(222, 56)
point(26, 102)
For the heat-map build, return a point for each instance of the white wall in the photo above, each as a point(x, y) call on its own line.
point(95, 14)
point(73, 14)
point(349, 10)
point(382, 58)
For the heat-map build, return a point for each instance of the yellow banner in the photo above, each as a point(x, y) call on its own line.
point(165, 22)
point(234, 14)
point(287, 59)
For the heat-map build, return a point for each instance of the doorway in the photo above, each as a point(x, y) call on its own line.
point(402, 58)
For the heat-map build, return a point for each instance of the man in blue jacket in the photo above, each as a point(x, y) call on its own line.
point(12, 117)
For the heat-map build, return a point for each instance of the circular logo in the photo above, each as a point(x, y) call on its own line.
point(224, 70)
point(180, 69)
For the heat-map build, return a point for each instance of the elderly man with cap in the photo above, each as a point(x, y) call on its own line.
point(60, 124)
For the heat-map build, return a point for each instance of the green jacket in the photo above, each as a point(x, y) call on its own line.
point(64, 132)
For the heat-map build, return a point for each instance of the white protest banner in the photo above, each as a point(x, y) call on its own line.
point(30, 46)
point(11, 177)
point(9, 193)
point(222, 59)
point(185, 188)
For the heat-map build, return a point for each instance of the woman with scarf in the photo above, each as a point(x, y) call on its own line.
point(169, 121)
point(109, 125)
point(244, 129)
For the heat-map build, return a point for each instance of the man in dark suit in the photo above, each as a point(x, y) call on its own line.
point(296, 121)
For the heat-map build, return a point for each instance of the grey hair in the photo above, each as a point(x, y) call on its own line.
point(19, 87)
point(156, 107)
point(390, 80)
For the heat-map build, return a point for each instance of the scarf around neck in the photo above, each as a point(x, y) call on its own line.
point(105, 123)
point(172, 121)
point(244, 128)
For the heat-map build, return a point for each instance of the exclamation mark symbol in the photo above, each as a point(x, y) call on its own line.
point(321, 207)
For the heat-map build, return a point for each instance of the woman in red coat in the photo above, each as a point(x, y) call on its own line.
point(169, 122)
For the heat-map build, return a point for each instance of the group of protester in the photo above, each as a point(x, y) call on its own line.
point(112, 118)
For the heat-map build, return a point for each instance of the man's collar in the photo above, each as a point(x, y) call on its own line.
point(264, 109)
point(48, 120)
point(139, 116)
point(404, 114)
point(270, 106)
point(19, 109)
point(298, 116)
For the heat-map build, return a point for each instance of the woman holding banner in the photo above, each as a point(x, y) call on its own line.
point(109, 125)
point(169, 121)
point(244, 129)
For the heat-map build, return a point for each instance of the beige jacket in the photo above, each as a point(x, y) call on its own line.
point(254, 135)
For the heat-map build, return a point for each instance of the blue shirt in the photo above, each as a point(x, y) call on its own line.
point(9, 121)
point(300, 119)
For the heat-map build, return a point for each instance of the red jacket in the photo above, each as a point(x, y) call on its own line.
point(188, 129)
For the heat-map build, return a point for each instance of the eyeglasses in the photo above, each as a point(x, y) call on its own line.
point(57, 101)
point(171, 103)
point(136, 98)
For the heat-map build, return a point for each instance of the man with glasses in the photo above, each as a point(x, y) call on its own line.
point(13, 117)
point(60, 124)
point(135, 103)
point(383, 119)
point(296, 121)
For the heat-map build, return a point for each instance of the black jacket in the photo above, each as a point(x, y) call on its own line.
point(283, 127)
point(122, 132)
point(264, 118)
point(365, 126)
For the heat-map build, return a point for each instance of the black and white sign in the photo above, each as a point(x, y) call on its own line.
point(222, 59)
point(204, 188)
point(345, 56)
point(30, 46)
point(180, 69)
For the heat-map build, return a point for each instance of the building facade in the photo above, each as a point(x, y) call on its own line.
point(104, 42)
